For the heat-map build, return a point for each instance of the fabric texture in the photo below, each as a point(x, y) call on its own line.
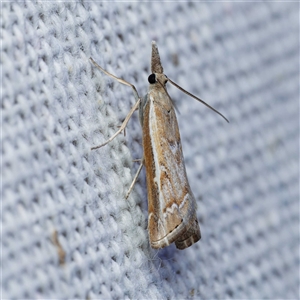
point(67, 230)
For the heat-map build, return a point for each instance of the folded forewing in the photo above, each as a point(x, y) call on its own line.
point(171, 203)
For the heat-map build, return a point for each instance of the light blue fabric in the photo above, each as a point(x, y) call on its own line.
point(67, 231)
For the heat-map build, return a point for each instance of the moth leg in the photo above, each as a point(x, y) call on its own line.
point(122, 127)
point(135, 107)
point(135, 178)
point(138, 160)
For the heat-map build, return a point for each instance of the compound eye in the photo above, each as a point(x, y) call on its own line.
point(152, 78)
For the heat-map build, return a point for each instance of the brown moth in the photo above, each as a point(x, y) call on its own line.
point(171, 204)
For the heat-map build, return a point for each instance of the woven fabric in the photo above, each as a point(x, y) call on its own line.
point(67, 230)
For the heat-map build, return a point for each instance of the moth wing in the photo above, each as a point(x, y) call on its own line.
point(171, 204)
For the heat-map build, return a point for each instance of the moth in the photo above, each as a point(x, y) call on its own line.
point(171, 203)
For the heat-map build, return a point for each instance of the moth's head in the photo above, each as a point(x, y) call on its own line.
point(157, 78)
